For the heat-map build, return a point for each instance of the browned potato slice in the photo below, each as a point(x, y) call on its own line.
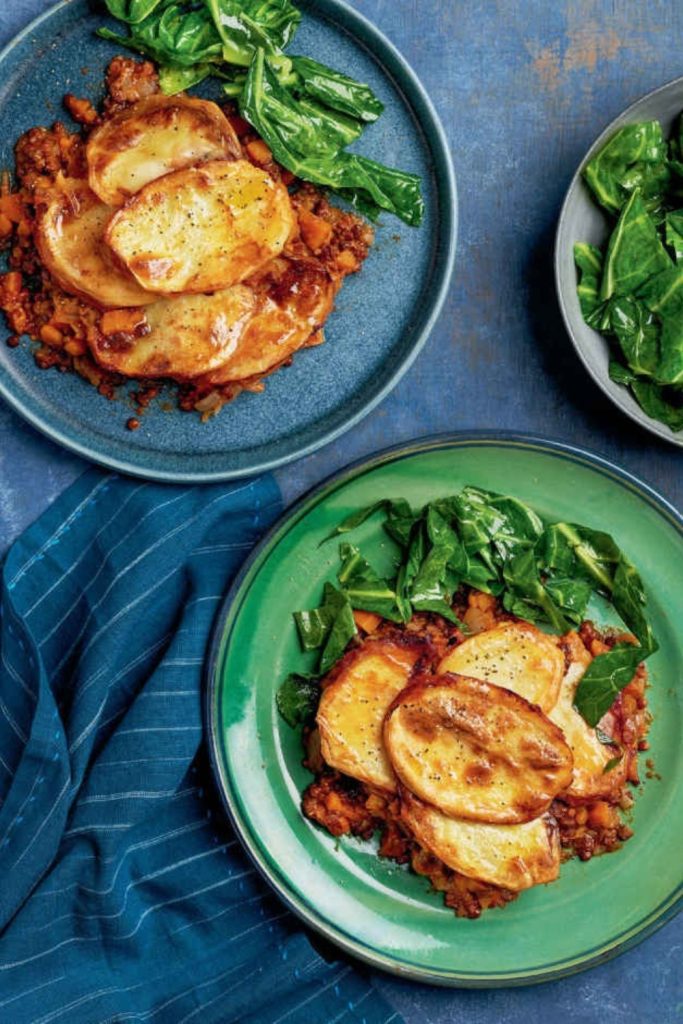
point(155, 136)
point(189, 335)
point(243, 331)
point(353, 706)
point(515, 655)
point(296, 297)
point(204, 228)
point(475, 750)
point(590, 781)
point(69, 235)
point(512, 856)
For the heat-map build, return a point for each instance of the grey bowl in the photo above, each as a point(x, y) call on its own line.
point(582, 220)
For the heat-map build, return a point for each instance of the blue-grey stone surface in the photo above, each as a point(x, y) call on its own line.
point(523, 87)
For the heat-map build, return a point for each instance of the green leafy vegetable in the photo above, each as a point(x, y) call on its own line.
point(612, 763)
point(307, 113)
point(543, 571)
point(297, 698)
point(298, 143)
point(633, 292)
point(636, 157)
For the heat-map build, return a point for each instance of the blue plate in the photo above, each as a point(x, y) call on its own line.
point(383, 314)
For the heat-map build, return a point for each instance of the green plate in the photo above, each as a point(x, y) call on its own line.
point(374, 909)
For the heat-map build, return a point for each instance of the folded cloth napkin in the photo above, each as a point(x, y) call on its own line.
point(124, 895)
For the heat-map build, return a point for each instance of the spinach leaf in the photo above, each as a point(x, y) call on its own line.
point(674, 233)
point(297, 144)
point(663, 293)
point(634, 252)
point(173, 80)
point(659, 403)
point(604, 679)
point(317, 625)
point(619, 373)
point(670, 368)
point(362, 586)
point(246, 26)
point(134, 11)
point(397, 512)
point(570, 595)
point(523, 582)
point(612, 763)
point(336, 91)
point(588, 260)
point(297, 698)
point(432, 587)
point(173, 34)
point(637, 332)
point(636, 157)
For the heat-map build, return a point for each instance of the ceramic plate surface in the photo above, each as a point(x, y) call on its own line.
point(582, 220)
point(372, 337)
point(372, 908)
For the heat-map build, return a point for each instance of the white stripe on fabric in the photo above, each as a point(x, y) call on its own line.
point(16, 728)
point(44, 822)
point(315, 995)
point(226, 910)
point(352, 1007)
point(136, 794)
point(159, 728)
point(101, 825)
point(140, 760)
point(128, 935)
point(105, 563)
point(12, 672)
point(64, 525)
point(115, 618)
point(30, 991)
point(183, 661)
point(84, 552)
point(223, 547)
point(10, 773)
point(92, 724)
point(223, 994)
point(133, 663)
point(171, 693)
point(133, 885)
point(180, 528)
point(144, 844)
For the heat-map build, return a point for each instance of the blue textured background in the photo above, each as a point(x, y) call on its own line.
point(523, 88)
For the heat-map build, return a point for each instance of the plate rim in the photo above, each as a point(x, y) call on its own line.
point(445, 248)
point(628, 408)
point(658, 917)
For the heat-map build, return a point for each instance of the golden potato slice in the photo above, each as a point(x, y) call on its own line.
point(241, 332)
point(475, 750)
point(589, 780)
point(296, 297)
point(188, 336)
point(69, 234)
point(515, 655)
point(202, 229)
point(353, 706)
point(155, 136)
point(512, 856)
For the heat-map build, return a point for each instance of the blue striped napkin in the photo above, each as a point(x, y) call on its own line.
point(124, 894)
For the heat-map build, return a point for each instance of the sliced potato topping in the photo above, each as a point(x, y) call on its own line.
point(475, 750)
point(188, 336)
point(295, 298)
point(512, 856)
point(69, 234)
point(158, 135)
point(515, 655)
point(590, 781)
point(202, 229)
point(230, 335)
point(353, 706)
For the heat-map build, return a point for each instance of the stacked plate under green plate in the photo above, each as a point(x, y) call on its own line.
point(373, 908)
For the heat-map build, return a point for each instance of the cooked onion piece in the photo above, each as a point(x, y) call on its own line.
point(295, 298)
point(353, 706)
point(152, 138)
point(590, 781)
point(188, 336)
point(69, 235)
point(475, 750)
point(512, 856)
point(204, 228)
point(515, 655)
